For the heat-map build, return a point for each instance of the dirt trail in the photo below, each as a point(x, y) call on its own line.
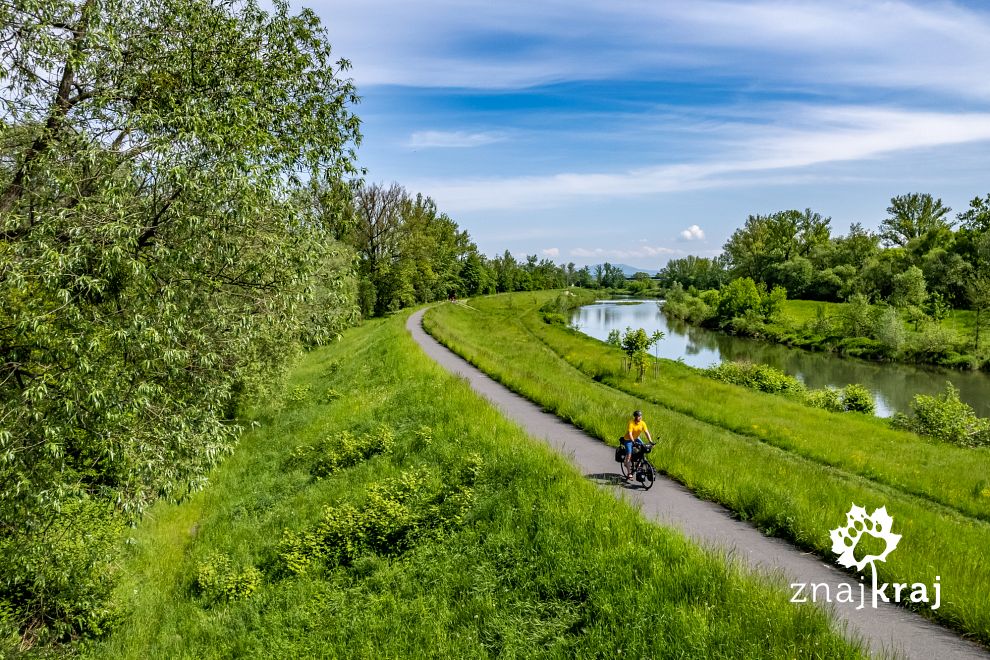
point(889, 629)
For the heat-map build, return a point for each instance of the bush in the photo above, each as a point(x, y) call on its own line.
point(553, 318)
point(856, 398)
point(738, 297)
point(933, 343)
point(749, 324)
point(760, 377)
point(57, 582)
point(218, 581)
point(396, 514)
point(889, 331)
point(863, 347)
point(945, 418)
point(827, 398)
point(341, 450)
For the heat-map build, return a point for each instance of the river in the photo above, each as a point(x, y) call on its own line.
point(893, 384)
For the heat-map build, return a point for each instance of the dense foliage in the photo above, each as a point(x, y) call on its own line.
point(156, 265)
point(921, 262)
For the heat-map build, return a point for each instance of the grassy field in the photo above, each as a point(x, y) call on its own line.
point(461, 537)
point(794, 471)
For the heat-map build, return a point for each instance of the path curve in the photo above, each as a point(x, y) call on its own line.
point(889, 629)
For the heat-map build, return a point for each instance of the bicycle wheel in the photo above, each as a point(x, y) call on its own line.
point(648, 473)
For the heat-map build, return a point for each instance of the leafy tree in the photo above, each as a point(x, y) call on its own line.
point(612, 277)
point(156, 262)
point(978, 295)
point(738, 297)
point(635, 344)
point(910, 293)
point(912, 216)
point(699, 272)
point(977, 216)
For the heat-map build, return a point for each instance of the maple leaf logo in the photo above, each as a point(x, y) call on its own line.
point(845, 539)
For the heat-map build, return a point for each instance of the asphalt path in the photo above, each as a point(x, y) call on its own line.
point(889, 630)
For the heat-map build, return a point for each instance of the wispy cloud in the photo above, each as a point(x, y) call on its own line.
point(451, 139)
point(813, 136)
point(693, 233)
point(893, 44)
point(551, 252)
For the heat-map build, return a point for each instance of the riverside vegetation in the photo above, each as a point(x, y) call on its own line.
point(916, 291)
point(383, 508)
point(756, 453)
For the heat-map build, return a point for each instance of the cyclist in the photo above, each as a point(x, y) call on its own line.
point(636, 428)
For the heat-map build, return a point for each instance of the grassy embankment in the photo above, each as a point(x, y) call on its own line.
point(793, 470)
point(487, 545)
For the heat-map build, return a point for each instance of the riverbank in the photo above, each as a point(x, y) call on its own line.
point(856, 329)
point(791, 470)
point(382, 509)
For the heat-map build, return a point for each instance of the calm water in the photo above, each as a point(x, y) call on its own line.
point(893, 385)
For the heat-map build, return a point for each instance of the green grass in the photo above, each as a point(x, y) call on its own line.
point(543, 563)
point(799, 312)
point(792, 470)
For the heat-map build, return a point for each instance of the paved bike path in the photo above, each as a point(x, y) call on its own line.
point(888, 629)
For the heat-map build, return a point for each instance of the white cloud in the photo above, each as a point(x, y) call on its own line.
point(551, 252)
point(893, 44)
point(692, 233)
point(812, 136)
point(451, 139)
point(639, 252)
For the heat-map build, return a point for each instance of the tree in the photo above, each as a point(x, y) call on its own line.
point(913, 216)
point(978, 295)
point(738, 297)
point(635, 344)
point(157, 264)
point(977, 216)
point(612, 277)
point(910, 293)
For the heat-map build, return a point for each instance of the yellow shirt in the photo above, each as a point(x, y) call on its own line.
point(635, 430)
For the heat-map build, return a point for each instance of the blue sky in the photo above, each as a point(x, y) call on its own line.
point(636, 131)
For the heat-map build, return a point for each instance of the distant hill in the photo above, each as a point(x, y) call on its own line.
point(629, 271)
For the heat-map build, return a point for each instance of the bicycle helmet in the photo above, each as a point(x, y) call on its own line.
point(637, 413)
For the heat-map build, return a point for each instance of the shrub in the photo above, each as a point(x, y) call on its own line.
point(760, 377)
point(888, 330)
point(341, 451)
point(856, 398)
point(396, 514)
point(945, 418)
point(933, 343)
point(218, 581)
point(863, 347)
point(827, 398)
point(57, 582)
point(738, 297)
point(857, 316)
point(750, 324)
point(553, 318)
point(614, 338)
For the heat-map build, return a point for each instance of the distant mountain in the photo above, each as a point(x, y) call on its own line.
point(629, 271)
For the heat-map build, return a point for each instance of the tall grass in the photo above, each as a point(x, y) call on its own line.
point(794, 471)
point(541, 564)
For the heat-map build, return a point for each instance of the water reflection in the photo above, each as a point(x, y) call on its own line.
point(893, 385)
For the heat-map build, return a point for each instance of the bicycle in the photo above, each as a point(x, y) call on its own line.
point(641, 468)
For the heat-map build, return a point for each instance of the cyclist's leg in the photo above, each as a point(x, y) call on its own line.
point(628, 461)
